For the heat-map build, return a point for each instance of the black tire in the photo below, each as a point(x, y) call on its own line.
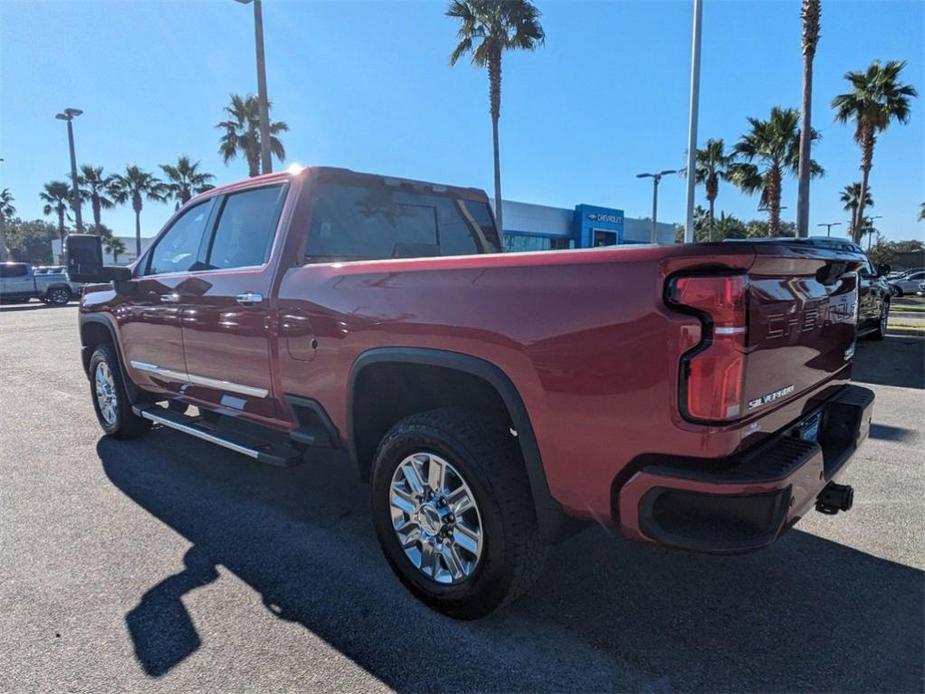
point(880, 331)
point(485, 454)
point(57, 296)
point(125, 424)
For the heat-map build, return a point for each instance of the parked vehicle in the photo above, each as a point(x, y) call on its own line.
point(921, 291)
point(19, 282)
point(908, 283)
point(694, 396)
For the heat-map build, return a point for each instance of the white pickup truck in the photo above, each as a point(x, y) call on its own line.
point(19, 283)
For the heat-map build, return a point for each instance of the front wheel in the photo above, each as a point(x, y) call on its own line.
point(453, 512)
point(110, 400)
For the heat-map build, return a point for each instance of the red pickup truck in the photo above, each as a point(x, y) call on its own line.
point(694, 396)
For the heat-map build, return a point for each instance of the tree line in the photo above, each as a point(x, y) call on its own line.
point(177, 183)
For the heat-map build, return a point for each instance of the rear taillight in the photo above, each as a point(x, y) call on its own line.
point(712, 373)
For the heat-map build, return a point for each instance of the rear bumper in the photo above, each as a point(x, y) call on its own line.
point(745, 502)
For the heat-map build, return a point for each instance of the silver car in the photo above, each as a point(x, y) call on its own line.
point(908, 283)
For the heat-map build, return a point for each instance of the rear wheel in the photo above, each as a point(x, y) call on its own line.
point(58, 296)
point(454, 514)
point(880, 332)
point(110, 400)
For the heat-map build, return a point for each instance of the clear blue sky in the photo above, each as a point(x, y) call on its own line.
point(366, 85)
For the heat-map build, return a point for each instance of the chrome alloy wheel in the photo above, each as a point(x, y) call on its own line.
point(106, 397)
point(436, 518)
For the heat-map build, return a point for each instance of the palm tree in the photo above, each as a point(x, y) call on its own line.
point(57, 197)
point(810, 13)
point(6, 212)
point(242, 133)
point(876, 99)
point(851, 195)
point(713, 166)
point(488, 28)
point(97, 188)
point(136, 185)
point(775, 145)
point(922, 211)
point(184, 180)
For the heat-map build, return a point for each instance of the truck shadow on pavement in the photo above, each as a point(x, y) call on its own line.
point(897, 360)
point(807, 614)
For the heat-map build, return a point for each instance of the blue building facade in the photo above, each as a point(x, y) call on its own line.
point(529, 227)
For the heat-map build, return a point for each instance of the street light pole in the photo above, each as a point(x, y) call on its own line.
point(656, 179)
point(69, 115)
point(692, 121)
point(266, 163)
point(828, 226)
point(870, 229)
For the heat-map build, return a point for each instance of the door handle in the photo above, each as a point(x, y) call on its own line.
point(248, 298)
point(171, 298)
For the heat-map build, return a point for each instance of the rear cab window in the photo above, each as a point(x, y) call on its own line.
point(358, 218)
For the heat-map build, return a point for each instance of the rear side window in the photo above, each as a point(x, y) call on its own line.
point(178, 249)
point(368, 219)
point(13, 270)
point(246, 227)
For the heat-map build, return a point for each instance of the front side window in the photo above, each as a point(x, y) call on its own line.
point(367, 219)
point(178, 249)
point(246, 228)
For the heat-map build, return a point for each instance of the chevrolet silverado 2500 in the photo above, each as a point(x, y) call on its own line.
point(695, 396)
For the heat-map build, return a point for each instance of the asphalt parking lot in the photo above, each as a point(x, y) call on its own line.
point(169, 564)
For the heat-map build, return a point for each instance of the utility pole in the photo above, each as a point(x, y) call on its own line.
point(69, 115)
point(692, 121)
point(828, 226)
point(656, 179)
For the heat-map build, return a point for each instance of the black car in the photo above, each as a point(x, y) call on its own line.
point(874, 292)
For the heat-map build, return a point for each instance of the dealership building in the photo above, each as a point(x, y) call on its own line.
point(529, 227)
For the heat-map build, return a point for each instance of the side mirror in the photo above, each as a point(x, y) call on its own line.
point(884, 270)
point(84, 258)
point(85, 261)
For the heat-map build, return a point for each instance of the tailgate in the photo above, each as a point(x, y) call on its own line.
point(802, 319)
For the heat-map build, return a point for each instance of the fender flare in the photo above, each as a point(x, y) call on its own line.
point(130, 386)
point(553, 523)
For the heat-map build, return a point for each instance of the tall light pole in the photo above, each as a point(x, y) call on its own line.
point(266, 164)
point(656, 178)
point(828, 226)
point(69, 115)
point(869, 228)
point(692, 121)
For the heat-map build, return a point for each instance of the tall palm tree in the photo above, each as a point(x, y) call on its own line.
point(136, 185)
point(6, 212)
point(242, 133)
point(713, 165)
point(810, 13)
point(877, 98)
point(770, 150)
point(851, 196)
point(921, 212)
point(488, 28)
point(57, 197)
point(96, 187)
point(184, 180)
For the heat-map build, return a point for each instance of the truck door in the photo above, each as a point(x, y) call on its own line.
point(226, 318)
point(149, 317)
